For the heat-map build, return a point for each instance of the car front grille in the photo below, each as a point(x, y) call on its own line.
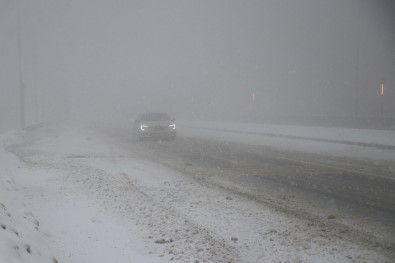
point(159, 128)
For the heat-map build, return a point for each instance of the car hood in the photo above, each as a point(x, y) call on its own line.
point(157, 123)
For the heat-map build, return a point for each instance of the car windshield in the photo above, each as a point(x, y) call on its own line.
point(155, 117)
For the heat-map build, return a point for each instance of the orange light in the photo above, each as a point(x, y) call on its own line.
point(382, 89)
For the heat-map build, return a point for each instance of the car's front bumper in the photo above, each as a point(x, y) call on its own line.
point(157, 132)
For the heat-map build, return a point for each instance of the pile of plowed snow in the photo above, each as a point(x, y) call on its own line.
point(21, 237)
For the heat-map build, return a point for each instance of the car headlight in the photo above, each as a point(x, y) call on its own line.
point(143, 127)
point(172, 126)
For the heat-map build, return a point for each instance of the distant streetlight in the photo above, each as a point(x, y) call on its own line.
point(382, 89)
point(252, 107)
point(382, 99)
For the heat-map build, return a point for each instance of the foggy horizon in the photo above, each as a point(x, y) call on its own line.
point(218, 60)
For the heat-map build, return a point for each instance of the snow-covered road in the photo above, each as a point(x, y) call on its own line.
point(71, 195)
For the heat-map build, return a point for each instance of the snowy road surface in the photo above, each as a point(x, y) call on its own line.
point(77, 195)
point(361, 185)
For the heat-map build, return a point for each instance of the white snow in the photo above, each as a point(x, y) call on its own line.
point(359, 143)
point(70, 195)
point(57, 222)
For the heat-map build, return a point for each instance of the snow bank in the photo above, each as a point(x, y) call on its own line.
point(45, 219)
point(22, 238)
point(359, 143)
point(368, 136)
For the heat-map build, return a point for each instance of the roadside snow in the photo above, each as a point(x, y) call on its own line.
point(383, 137)
point(69, 195)
point(22, 239)
point(43, 218)
point(358, 143)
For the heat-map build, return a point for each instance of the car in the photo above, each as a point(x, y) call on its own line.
point(154, 125)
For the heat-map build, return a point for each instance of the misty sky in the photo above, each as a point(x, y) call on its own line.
point(198, 59)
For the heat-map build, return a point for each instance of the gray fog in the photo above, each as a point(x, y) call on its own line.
point(209, 60)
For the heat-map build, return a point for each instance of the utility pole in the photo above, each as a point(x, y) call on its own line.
point(22, 85)
point(357, 69)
